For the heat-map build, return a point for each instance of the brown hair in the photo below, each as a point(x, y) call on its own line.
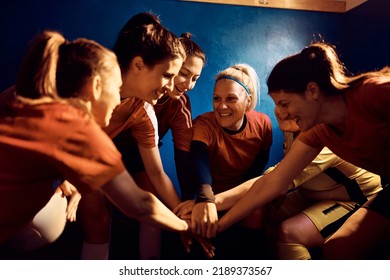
point(143, 35)
point(317, 63)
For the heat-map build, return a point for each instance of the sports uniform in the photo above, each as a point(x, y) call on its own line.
point(175, 115)
point(133, 123)
point(224, 159)
point(145, 125)
point(320, 196)
point(233, 157)
point(366, 139)
point(40, 146)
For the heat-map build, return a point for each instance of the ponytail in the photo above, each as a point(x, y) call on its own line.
point(37, 74)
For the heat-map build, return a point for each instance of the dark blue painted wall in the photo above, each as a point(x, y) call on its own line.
point(228, 34)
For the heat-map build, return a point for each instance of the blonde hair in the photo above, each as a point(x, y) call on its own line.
point(57, 69)
point(247, 76)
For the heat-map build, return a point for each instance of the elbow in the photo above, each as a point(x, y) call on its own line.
point(143, 209)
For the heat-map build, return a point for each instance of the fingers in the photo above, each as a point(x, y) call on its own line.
point(211, 230)
point(207, 247)
point(71, 209)
point(184, 208)
point(187, 241)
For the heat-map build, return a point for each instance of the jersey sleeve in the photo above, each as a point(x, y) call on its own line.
point(182, 130)
point(87, 157)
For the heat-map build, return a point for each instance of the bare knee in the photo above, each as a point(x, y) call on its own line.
point(287, 233)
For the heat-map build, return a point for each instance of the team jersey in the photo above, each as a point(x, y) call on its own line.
point(232, 155)
point(134, 121)
point(175, 114)
point(41, 145)
point(366, 139)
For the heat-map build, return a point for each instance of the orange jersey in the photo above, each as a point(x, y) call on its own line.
point(175, 114)
point(232, 155)
point(42, 145)
point(134, 120)
point(366, 139)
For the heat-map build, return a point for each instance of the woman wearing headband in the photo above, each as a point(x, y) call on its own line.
point(230, 145)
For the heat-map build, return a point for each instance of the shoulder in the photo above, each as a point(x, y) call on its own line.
point(205, 118)
point(259, 118)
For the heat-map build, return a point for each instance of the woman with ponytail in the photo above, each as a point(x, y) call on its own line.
point(174, 113)
point(349, 115)
point(51, 131)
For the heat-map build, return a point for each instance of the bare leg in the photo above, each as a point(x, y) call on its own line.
point(96, 221)
point(295, 236)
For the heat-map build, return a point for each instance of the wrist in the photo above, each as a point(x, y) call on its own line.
point(205, 194)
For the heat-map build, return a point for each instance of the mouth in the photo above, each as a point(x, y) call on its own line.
point(179, 91)
point(224, 115)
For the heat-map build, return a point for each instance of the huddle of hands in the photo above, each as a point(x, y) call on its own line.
point(202, 220)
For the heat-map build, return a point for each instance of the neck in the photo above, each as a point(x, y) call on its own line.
point(336, 114)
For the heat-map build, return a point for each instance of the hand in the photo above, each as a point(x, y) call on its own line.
point(184, 208)
point(207, 246)
point(69, 190)
point(204, 219)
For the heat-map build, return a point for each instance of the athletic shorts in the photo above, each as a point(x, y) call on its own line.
point(327, 215)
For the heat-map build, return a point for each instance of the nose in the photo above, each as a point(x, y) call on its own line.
point(281, 113)
point(170, 85)
point(222, 105)
point(190, 84)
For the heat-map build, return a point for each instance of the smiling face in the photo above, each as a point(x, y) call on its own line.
point(150, 83)
point(187, 77)
point(230, 103)
point(303, 109)
point(285, 124)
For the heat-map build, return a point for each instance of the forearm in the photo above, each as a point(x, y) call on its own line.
point(225, 200)
point(165, 189)
point(258, 195)
point(141, 205)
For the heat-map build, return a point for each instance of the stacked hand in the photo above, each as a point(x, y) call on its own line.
point(197, 230)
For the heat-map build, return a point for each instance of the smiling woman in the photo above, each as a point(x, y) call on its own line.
point(230, 145)
point(347, 114)
point(150, 57)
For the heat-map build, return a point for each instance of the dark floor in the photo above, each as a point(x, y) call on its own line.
point(124, 245)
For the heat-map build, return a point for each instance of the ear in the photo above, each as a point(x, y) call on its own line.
point(96, 87)
point(248, 101)
point(313, 90)
point(137, 64)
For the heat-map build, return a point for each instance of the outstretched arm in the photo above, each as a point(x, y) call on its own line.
point(225, 200)
point(141, 205)
point(160, 180)
point(270, 186)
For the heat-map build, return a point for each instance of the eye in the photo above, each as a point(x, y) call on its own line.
point(216, 98)
point(168, 76)
point(232, 99)
point(183, 74)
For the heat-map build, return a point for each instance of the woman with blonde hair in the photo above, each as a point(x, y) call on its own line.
point(51, 131)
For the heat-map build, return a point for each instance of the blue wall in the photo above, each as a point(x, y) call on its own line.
point(228, 34)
